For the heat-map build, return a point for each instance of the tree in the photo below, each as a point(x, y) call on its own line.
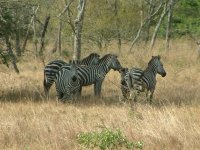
point(169, 22)
point(78, 25)
point(153, 10)
point(163, 14)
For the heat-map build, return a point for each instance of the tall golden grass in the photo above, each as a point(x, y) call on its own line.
point(28, 121)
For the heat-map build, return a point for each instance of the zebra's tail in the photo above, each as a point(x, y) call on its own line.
point(45, 86)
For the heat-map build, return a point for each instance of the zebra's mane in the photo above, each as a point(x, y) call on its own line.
point(106, 57)
point(92, 55)
point(153, 58)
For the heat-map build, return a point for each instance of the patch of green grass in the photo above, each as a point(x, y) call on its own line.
point(107, 139)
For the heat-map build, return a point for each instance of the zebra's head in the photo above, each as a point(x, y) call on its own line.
point(158, 65)
point(94, 57)
point(73, 72)
point(123, 72)
point(114, 63)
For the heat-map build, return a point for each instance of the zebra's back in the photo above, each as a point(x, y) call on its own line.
point(52, 68)
point(136, 73)
point(131, 78)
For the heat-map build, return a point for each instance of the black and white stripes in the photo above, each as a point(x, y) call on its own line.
point(139, 80)
point(52, 68)
point(95, 74)
point(67, 82)
point(70, 78)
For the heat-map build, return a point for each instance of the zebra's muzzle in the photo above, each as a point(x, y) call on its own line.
point(164, 74)
point(74, 78)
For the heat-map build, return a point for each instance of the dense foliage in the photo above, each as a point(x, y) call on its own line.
point(104, 20)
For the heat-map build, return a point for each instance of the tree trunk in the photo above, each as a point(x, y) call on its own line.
point(17, 42)
point(142, 24)
point(27, 32)
point(34, 35)
point(158, 26)
point(43, 37)
point(169, 20)
point(5, 59)
point(57, 44)
point(151, 14)
point(150, 10)
point(117, 22)
point(119, 41)
point(11, 54)
point(41, 49)
point(59, 37)
point(78, 30)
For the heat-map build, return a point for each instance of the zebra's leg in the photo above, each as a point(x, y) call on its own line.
point(78, 92)
point(151, 97)
point(47, 86)
point(75, 94)
point(66, 97)
point(126, 93)
point(147, 93)
point(59, 96)
point(137, 93)
point(97, 88)
point(134, 94)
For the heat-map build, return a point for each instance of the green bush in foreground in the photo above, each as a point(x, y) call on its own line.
point(107, 139)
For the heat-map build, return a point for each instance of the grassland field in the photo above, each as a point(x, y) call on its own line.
point(172, 122)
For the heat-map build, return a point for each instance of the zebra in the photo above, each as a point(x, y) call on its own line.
point(136, 73)
point(140, 81)
point(67, 82)
point(95, 74)
point(52, 68)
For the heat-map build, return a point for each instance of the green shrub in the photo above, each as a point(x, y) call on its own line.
point(107, 139)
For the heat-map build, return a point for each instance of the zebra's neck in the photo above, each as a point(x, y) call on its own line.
point(84, 62)
point(149, 77)
point(150, 71)
point(105, 66)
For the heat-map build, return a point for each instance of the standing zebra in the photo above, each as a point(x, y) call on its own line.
point(139, 80)
point(52, 68)
point(67, 82)
point(95, 74)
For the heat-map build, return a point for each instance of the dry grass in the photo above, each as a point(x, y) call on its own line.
point(172, 122)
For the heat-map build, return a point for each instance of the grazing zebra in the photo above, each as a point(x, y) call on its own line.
point(52, 68)
point(67, 82)
point(95, 74)
point(140, 81)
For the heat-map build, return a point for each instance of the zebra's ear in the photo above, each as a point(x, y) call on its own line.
point(123, 70)
point(115, 56)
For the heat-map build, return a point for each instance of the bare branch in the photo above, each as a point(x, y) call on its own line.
point(27, 32)
point(70, 20)
point(164, 12)
point(158, 9)
point(146, 20)
point(65, 9)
